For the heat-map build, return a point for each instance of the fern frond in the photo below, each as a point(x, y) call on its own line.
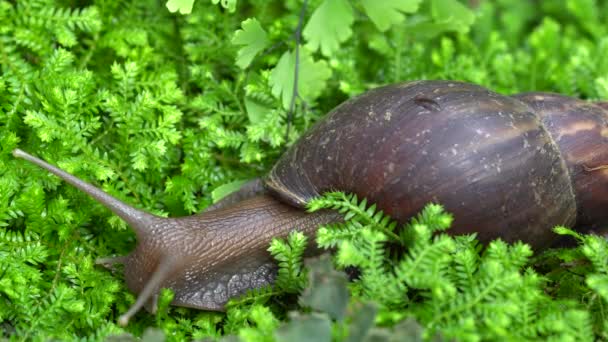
point(376, 281)
point(289, 255)
point(330, 235)
point(465, 262)
point(431, 219)
point(355, 211)
point(425, 263)
point(253, 296)
point(595, 248)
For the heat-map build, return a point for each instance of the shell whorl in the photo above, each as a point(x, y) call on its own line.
point(580, 129)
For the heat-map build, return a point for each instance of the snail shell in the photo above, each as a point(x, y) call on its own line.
point(508, 167)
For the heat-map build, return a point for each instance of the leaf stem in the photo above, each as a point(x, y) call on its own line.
point(294, 95)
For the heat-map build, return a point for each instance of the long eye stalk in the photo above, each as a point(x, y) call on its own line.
point(137, 219)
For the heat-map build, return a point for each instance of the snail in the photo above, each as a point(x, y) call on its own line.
point(509, 167)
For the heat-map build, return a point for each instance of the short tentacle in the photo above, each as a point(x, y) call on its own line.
point(162, 272)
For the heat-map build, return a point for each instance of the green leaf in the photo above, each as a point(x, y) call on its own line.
point(256, 112)
point(452, 13)
point(599, 283)
point(329, 25)
point(253, 38)
point(183, 6)
point(312, 77)
point(153, 335)
point(362, 320)
point(601, 85)
point(561, 230)
point(226, 189)
point(326, 291)
point(305, 328)
point(387, 13)
point(230, 5)
point(407, 330)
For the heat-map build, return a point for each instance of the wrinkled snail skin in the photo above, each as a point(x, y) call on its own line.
point(509, 167)
point(221, 253)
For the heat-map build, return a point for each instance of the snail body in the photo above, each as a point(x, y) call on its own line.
point(506, 166)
